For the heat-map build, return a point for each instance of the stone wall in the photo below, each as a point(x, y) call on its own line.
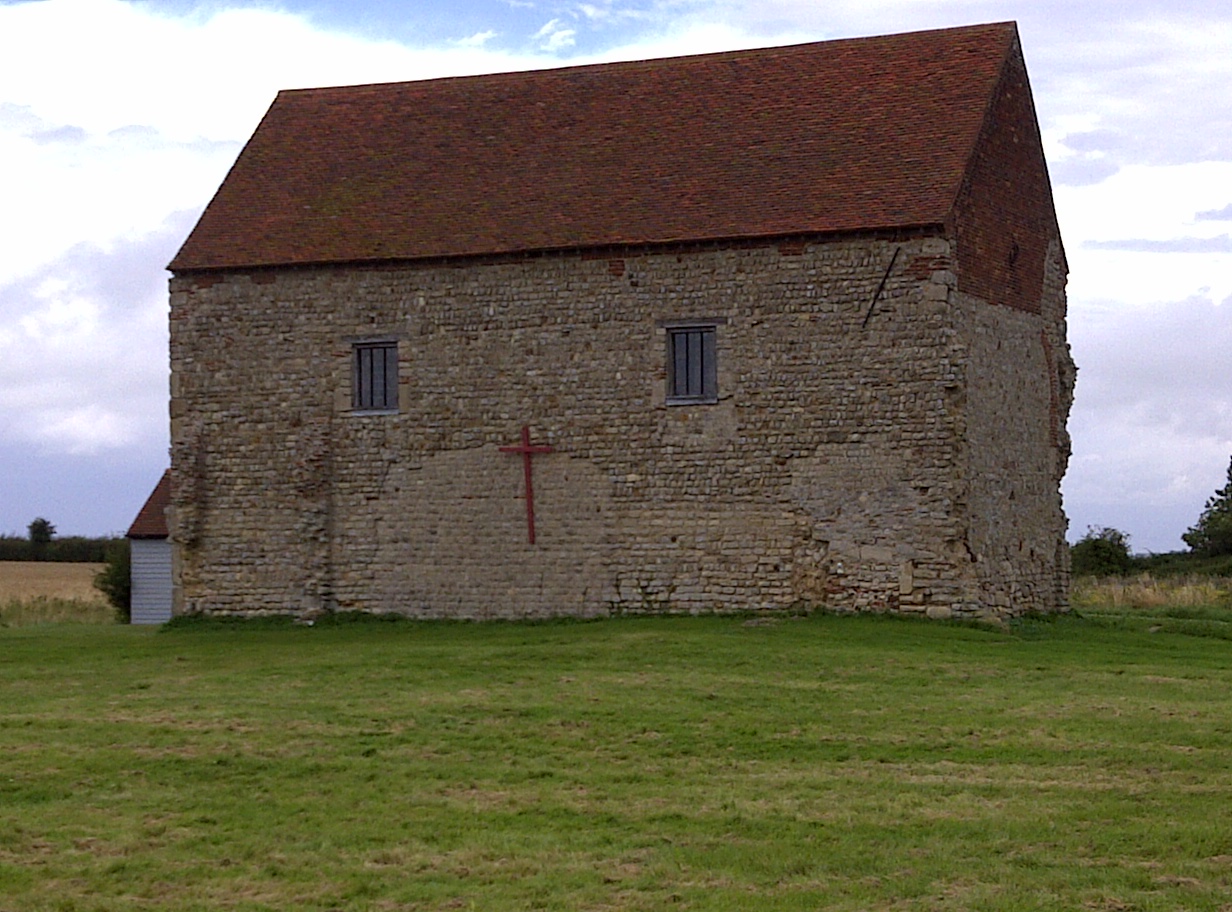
point(847, 462)
point(1018, 449)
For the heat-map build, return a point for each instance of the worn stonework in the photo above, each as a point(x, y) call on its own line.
point(882, 440)
point(852, 244)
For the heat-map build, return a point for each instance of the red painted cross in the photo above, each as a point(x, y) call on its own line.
point(527, 452)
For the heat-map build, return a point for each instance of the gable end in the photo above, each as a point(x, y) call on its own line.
point(151, 521)
point(1004, 217)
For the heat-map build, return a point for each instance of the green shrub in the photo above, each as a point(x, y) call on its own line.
point(1101, 552)
point(115, 579)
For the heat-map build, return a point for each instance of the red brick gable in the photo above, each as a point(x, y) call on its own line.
point(1004, 218)
point(151, 522)
point(835, 136)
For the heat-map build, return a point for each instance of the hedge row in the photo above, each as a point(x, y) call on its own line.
point(73, 548)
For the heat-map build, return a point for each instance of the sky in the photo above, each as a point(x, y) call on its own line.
point(119, 118)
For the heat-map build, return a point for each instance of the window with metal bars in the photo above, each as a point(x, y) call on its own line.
point(692, 374)
point(375, 386)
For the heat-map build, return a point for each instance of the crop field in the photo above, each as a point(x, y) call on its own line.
point(631, 764)
point(50, 592)
point(48, 579)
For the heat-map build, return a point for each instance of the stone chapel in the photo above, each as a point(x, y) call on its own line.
point(759, 330)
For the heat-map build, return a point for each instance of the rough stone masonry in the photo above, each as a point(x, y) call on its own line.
point(877, 422)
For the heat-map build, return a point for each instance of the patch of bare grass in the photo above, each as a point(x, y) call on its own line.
point(627, 765)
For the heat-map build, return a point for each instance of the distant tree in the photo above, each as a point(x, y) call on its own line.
point(1212, 536)
point(115, 579)
point(1101, 552)
point(41, 532)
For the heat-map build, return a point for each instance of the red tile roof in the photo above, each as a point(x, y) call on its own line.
point(834, 136)
point(151, 522)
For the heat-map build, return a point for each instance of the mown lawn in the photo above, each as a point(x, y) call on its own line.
point(631, 764)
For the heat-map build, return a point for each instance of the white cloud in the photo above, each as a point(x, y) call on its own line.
point(555, 37)
point(105, 64)
point(1134, 238)
point(63, 185)
point(479, 39)
point(1152, 420)
point(112, 116)
point(84, 343)
point(1151, 324)
point(117, 124)
point(690, 38)
point(590, 11)
point(609, 12)
point(1215, 215)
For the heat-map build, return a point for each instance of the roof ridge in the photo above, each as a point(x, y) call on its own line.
point(853, 134)
point(682, 59)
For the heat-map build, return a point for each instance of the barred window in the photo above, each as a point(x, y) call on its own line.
point(692, 374)
point(375, 386)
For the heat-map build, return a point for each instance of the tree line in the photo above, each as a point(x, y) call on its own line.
point(1105, 551)
point(41, 544)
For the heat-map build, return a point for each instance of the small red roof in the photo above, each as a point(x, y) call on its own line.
point(151, 522)
point(834, 136)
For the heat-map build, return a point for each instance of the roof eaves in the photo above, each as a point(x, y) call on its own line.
point(914, 229)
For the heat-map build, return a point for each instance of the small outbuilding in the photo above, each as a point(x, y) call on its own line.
point(151, 558)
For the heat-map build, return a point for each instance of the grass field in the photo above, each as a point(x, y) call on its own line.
point(50, 592)
point(1142, 594)
point(632, 764)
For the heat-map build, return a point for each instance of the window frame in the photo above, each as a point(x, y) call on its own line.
point(693, 346)
point(364, 398)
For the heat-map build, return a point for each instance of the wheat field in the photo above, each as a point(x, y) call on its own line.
point(50, 592)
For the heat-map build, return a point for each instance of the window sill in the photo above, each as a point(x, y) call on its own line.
point(363, 413)
point(692, 400)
